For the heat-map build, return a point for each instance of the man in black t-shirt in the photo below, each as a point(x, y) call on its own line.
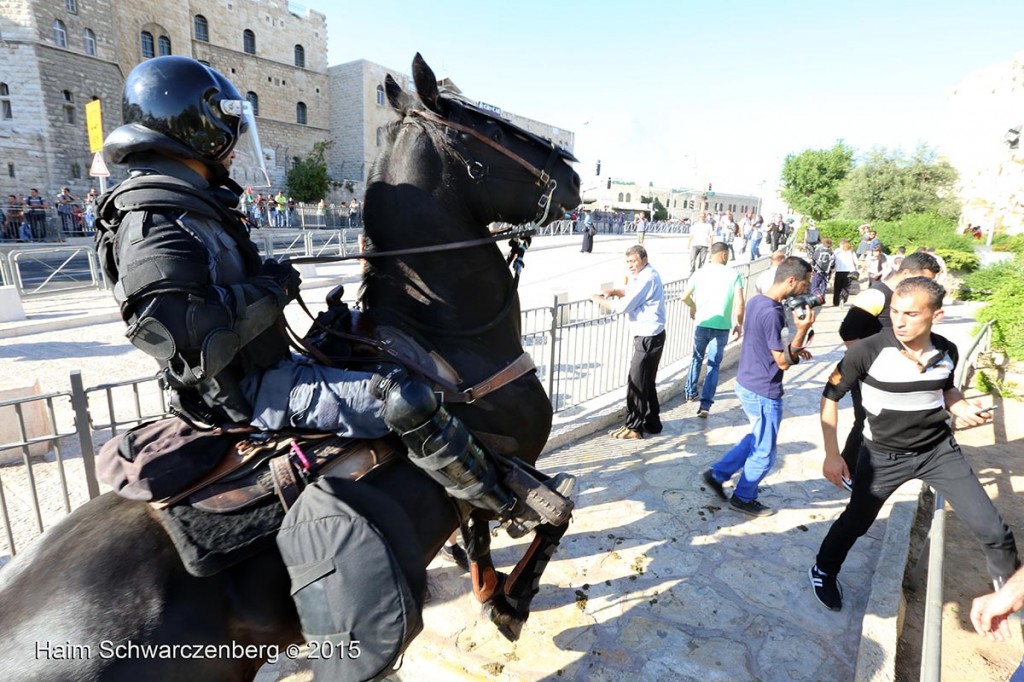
point(906, 375)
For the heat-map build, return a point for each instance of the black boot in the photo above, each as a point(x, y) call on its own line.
point(441, 445)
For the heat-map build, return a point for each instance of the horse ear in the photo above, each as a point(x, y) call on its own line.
point(426, 84)
point(396, 96)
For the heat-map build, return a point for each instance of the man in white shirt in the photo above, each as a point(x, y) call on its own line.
point(643, 301)
point(700, 240)
point(766, 279)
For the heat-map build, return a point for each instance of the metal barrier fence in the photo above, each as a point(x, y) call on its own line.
point(931, 641)
point(40, 271)
point(581, 353)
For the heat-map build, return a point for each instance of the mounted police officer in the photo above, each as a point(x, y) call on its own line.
point(197, 296)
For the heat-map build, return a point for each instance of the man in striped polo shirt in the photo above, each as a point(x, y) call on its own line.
point(906, 379)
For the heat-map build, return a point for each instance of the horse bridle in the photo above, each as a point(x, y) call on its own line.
point(477, 171)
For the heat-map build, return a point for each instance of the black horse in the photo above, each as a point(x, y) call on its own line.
point(108, 574)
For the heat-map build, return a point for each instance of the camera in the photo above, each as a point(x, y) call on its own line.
point(803, 301)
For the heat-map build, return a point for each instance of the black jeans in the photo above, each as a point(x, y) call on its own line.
point(841, 287)
point(944, 468)
point(643, 412)
point(854, 439)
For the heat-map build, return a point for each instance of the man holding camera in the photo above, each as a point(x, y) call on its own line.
point(763, 359)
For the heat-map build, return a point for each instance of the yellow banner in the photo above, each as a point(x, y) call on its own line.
point(94, 124)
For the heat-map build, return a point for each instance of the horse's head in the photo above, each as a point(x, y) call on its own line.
point(503, 173)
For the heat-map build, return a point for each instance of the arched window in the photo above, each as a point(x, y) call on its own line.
point(629, 198)
point(72, 6)
point(300, 113)
point(254, 100)
point(201, 28)
point(621, 195)
point(380, 136)
point(164, 45)
point(249, 41)
point(89, 40)
point(147, 45)
point(60, 33)
point(5, 102)
point(380, 95)
point(300, 56)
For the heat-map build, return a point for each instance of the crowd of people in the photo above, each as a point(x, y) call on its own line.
point(23, 218)
point(279, 210)
point(897, 369)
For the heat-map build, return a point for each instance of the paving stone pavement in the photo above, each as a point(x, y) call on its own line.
point(655, 580)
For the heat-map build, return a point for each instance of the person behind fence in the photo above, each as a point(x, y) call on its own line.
point(712, 294)
point(36, 213)
point(908, 390)
point(763, 359)
point(65, 201)
point(643, 301)
point(199, 298)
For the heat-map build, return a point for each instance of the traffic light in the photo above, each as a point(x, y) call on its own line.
point(709, 186)
point(609, 183)
point(598, 170)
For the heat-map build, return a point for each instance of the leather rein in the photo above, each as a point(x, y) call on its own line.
point(523, 364)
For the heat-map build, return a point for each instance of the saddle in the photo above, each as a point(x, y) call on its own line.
point(279, 464)
point(236, 509)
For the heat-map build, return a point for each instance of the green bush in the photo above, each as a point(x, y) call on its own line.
point(983, 284)
point(839, 228)
point(1004, 306)
point(923, 229)
point(960, 261)
point(1011, 243)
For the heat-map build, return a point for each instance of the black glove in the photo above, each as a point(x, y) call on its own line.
point(283, 275)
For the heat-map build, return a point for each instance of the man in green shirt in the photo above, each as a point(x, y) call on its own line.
point(712, 294)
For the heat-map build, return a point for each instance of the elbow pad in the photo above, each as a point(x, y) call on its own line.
point(193, 338)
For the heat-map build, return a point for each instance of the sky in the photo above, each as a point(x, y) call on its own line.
point(683, 93)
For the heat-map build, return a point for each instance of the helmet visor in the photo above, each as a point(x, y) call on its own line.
point(246, 163)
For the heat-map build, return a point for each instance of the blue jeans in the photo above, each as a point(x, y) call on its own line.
point(755, 454)
point(297, 393)
point(711, 341)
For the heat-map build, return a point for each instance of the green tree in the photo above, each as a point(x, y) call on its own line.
point(660, 212)
point(307, 179)
point(889, 186)
point(811, 179)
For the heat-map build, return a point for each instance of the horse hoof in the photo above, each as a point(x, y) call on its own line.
point(508, 621)
point(454, 554)
point(511, 631)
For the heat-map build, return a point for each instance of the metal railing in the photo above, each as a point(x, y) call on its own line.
point(56, 268)
point(581, 353)
point(931, 642)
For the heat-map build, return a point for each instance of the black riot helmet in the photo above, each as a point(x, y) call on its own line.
point(176, 106)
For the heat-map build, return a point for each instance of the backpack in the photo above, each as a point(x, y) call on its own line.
point(824, 259)
point(357, 578)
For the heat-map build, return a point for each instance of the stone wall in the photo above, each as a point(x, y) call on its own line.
point(981, 110)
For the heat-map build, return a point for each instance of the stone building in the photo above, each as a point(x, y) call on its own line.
point(60, 54)
point(627, 196)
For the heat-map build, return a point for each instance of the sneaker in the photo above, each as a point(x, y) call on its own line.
point(703, 413)
point(711, 482)
point(691, 399)
point(754, 508)
point(827, 589)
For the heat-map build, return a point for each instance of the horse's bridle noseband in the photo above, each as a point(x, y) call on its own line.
point(477, 171)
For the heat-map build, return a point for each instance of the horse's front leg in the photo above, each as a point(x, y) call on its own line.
point(511, 607)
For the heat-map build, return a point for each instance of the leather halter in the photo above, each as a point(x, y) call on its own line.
point(478, 171)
